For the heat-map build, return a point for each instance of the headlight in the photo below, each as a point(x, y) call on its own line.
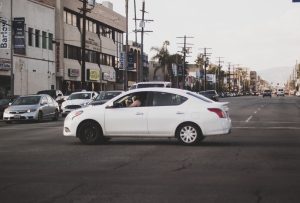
point(77, 113)
point(31, 110)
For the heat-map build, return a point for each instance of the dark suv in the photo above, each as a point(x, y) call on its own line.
point(211, 94)
point(267, 93)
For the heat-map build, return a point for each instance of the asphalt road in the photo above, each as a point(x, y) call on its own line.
point(258, 162)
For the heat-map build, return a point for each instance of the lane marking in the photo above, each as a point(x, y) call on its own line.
point(277, 128)
point(250, 117)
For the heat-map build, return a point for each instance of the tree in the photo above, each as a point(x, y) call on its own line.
point(162, 56)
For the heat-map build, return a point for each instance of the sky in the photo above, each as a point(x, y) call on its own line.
point(262, 35)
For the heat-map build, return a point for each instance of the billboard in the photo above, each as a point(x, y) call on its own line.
point(19, 36)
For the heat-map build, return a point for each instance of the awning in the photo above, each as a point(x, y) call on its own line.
point(72, 70)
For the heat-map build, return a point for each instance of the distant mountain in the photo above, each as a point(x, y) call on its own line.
point(276, 75)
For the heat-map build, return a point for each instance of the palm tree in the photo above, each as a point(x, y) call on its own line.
point(162, 56)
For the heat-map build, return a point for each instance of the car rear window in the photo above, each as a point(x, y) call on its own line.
point(203, 98)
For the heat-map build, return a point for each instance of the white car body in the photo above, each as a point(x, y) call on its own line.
point(72, 104)
point(152, 121)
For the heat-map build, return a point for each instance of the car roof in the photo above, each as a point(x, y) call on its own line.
point(153, 82)
point(84, 92)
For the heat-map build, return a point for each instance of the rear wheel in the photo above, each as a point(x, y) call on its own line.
point(90, 132)
point(40, 116)
point(189, 134)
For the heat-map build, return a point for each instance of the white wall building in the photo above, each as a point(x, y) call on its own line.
point(34, 52)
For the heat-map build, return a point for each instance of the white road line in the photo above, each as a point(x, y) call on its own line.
point(282, 128)
point(250, 117)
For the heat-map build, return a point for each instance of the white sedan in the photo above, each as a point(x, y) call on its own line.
point(164, 112)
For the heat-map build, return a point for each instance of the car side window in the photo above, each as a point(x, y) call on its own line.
point(44, 100)
point(50, 100)
point(167, 99)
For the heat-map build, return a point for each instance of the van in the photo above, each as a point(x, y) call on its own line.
point(151, 84)
point(280, 92)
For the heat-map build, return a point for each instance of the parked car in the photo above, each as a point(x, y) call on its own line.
point(164, 112)
point(267, 93)
point(280, 92)
point(55, 94)
point(105, 96)
point(212, 94)
point(77, 100)
point(32, 107)
point(151, 84)
point(4, 103)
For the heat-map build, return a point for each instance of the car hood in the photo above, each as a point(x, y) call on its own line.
point(22, 107)
point(76, 102)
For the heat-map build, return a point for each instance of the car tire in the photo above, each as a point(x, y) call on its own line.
point(56, 115)
point(189, 134)
point(40, 116)
point(90, 132)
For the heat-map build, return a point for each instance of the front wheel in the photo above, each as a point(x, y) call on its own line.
point(40, 116)
point(189, 134)
point(90, 133)
point(56, 115)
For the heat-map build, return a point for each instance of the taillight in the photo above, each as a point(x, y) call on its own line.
point(219, 112)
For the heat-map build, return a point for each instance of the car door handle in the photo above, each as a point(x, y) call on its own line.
point(179, 112)
point(139, 114)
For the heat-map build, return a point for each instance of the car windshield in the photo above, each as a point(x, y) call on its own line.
point(107, 95)
point(49, 92)
point(79, 96)
point(30, 100)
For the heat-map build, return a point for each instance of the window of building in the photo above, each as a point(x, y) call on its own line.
point(37, 38)
point(44, 40)
point(50, 41)
point(30, 36)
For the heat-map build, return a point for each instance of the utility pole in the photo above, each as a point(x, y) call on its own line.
point(84, 11)
point(206, 63)
point(142, 25)
point(229, 82)
point(185, 50)
point(219, 72)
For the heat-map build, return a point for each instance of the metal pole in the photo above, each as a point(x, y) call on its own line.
point(84, 10)
point(142, 45)
point(126, 49)
point(183, 67)
point(12, 82)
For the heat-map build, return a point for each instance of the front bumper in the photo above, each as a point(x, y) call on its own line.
point(20, 117)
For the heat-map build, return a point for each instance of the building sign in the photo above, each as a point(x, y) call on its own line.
point(110, 76)
point(93, 75)
point(92, 45)
point(4, 34)
point(19, 36)
point(130, 60)
point(73, 72)
point(211, 78)
point(5, 64)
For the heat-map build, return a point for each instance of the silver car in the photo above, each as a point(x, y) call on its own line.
point(32, 107)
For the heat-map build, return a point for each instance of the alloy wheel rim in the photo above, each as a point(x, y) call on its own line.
point(188, 134)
